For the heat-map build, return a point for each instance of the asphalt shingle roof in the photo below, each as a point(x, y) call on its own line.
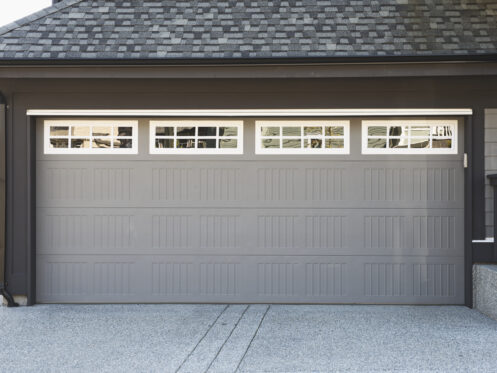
point(167, 29)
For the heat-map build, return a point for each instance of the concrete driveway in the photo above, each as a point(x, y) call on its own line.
point(255, 338)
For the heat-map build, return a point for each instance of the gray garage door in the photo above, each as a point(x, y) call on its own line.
point(287, 228)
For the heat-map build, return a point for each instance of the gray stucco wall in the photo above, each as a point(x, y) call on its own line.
point(490, 166)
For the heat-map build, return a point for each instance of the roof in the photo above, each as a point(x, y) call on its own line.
point(168, 30)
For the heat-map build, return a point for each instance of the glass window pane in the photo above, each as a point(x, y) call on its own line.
point(101, 143)
point(80, 131)
point(164, 143)
point(228, 143)
point(59, 143)
point(313, 143)
point(185, 143)
point(420, 131)
point(377, 143)
point(123, 143)
point(334, 131)
point(228, 131)
point(186, 131)
point(102, 131)
point(377, 131)
point(292, 131)
point(59, 131)
point(445, 131)
point(423, 142)
point(398, 143)
point(292, 143)
point(313, 131)
point(164, 131)
point(442, 143)
point(271, 143)
point(80, 143)
point(398, 131)
point(270, 131)
point(206, 143)
point(124, 131)
point(207, 131)
point(334, 143)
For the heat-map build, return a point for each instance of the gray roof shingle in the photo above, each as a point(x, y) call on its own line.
point(245, 29)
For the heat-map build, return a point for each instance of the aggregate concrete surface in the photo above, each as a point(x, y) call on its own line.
point(246, 338)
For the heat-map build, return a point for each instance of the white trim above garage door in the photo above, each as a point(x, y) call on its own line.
point(251, 112)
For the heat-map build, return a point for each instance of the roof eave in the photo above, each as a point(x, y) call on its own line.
point(483, 57)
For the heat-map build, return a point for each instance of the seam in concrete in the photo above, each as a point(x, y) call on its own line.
point(227, 338)
point(201, 339)
point(253, 337)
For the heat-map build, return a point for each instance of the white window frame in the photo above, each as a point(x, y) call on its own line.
point(89, 123)
point(196, 123)
point(302, 123)
point(410, 123)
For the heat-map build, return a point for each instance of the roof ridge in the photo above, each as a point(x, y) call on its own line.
point(37, 15)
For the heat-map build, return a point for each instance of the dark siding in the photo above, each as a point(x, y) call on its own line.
point(479, 92)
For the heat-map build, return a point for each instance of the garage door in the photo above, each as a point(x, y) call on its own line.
point(289, 210)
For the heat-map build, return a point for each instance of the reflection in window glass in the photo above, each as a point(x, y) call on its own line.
point(377, 143)
point(164, 131)
point(294, 143)
point(59, 143)
point(270, 131)
point(313, 131)
point(402, 142)
point(80, 143)
point(164, 143)
point(228, 131)
point(292, 131)
point(307, 137)
point(59, 131)
point(442, 131)
point(333, 131)
point(101, 143)
point(207, 143)
point(102, 131)
point(228, 143)
point(203, 136)
point(313, 143)
point(271, 143)
point(207, 131)
point(124, 131)
point(398, 131)
point(123, 143)
point(442, 143)
point(88, 136)
point(185, 143)
point(334, 143)
point(377, 131)
point(185, 131)
point(420, 131)
point(405, 135)
point(420, 142)
point(77, 131)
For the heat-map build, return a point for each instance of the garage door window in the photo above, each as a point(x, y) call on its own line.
point(409, 137)
point(302, 137)
point(196, 137)
point(90, 137)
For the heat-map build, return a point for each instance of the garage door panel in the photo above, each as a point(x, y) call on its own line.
point(389, 279)
point(187, 185)
point(251, 231)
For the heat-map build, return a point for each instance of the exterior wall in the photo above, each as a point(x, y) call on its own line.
point(23, 94)
point(485, 289)
point(490, 167)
